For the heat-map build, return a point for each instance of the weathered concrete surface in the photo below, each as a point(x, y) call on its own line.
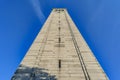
point(59, 52)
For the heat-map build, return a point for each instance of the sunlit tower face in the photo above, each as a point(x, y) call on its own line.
point(59, 52)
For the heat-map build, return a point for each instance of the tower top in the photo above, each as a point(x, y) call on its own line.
point(59, 9)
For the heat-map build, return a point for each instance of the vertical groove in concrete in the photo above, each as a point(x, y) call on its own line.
point(59, 52)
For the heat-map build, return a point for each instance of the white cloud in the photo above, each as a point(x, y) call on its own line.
point(37, 8)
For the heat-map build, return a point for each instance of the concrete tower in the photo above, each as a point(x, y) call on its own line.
point(59, 52)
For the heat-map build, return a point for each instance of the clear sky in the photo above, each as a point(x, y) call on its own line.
point(98, 21)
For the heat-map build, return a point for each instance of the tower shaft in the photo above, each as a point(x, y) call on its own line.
point(59, 52)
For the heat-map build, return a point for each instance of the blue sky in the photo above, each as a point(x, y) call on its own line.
point(98, 21)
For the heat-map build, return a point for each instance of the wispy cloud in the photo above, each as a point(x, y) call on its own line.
point(37, 8)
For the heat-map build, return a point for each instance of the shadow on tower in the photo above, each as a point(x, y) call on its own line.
point(27, 73)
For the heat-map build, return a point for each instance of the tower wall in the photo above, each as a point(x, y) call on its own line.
point(59, 52)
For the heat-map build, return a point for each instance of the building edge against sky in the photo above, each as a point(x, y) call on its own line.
point(59, 52)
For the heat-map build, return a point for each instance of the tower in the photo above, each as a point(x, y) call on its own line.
point(59, 52)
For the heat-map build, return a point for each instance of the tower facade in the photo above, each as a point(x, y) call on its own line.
point(59, 52)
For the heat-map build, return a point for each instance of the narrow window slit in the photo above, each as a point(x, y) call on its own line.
point(59, 40)
point(59, 28)
point(59, 63)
